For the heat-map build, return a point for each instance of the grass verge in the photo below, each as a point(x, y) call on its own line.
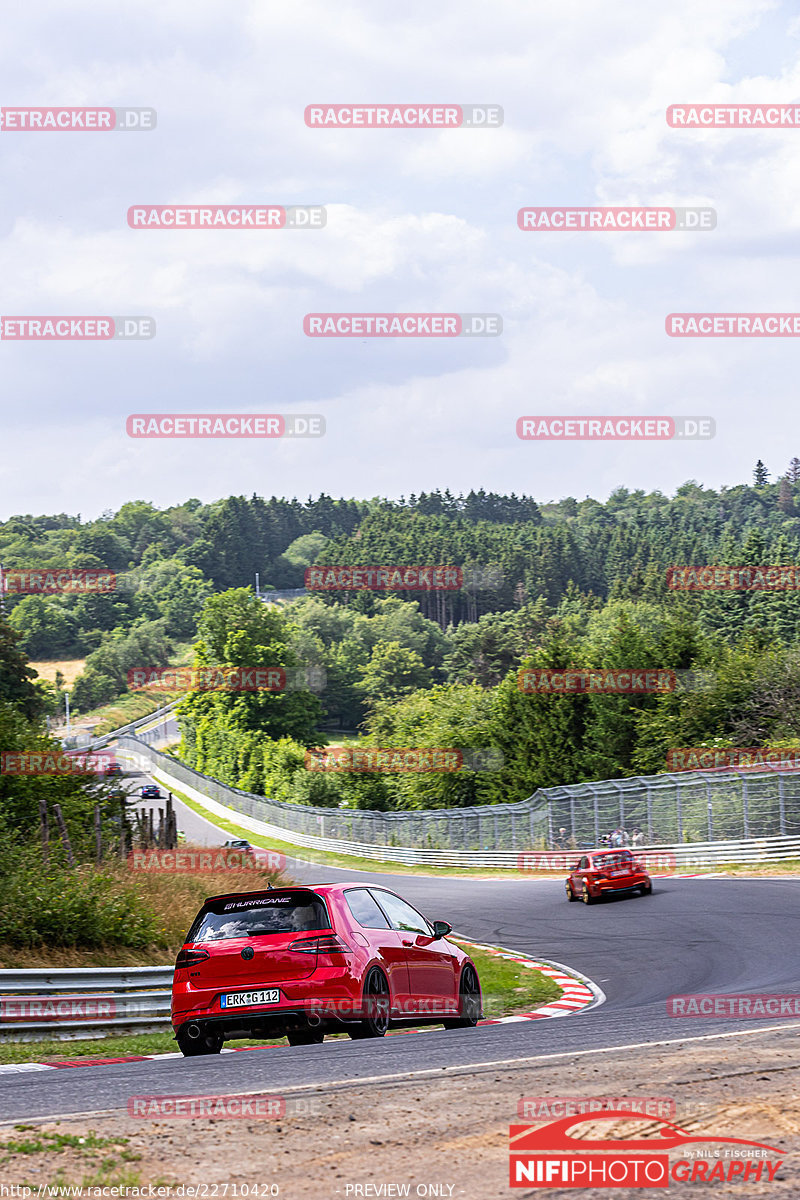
point(165, 903)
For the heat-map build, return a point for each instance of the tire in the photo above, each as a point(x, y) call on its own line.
point(469, 1001)
point(646, 889)
point(570, 894)
point(207, 1043)
point(376, 1005)
point(305, 1037)
point(586, 895)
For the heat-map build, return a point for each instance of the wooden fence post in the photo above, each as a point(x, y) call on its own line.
point(45, 831)
point(62, 827)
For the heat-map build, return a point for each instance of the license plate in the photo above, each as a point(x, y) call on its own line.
point(615, 873)
point(245, 999)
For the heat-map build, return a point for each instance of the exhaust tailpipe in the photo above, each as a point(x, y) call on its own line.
point(314, 1019)
point(193, 1031)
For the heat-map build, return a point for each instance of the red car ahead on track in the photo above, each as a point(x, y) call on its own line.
point(309, 960)
point(602, 871)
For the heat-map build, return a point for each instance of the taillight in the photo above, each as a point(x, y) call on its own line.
point(330, 943)
point(188, 958)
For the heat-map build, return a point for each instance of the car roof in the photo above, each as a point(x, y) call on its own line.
point(321, 889)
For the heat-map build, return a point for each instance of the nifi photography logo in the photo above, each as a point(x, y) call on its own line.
point(555, 1155)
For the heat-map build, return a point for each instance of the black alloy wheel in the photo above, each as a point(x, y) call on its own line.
point(376, 1006)
point(469, 1001)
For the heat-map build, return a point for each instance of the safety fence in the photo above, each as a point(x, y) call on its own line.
point(682, 808)
point(530, 831)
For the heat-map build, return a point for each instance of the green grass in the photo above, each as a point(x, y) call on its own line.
point(115, 1046)
point(41, 1140)
point(507, 988)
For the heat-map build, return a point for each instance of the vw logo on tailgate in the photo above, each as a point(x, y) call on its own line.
point(248, 952)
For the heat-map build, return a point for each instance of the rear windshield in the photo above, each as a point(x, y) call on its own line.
point(623, 859)
point(293, 913)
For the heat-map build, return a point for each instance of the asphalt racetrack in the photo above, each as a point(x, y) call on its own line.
point(692, 935)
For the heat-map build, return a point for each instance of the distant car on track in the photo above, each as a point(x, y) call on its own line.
point(151, 792)
point(112, 770)
point(303, 961)
point(602, 871)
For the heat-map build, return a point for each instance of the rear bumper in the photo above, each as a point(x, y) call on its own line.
point(329, 996)
point(626, 885)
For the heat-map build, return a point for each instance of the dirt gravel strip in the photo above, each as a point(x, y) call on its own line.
point(448, 1129)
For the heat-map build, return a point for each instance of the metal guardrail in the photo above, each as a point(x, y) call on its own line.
point(69, 1003)
point(97, 743)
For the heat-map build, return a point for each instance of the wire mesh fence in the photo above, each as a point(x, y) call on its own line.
point(654, 810)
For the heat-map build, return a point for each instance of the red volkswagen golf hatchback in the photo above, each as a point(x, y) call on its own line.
point(603, 871)
point(306, 961)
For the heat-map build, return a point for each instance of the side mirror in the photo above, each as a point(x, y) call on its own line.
point(441, 929)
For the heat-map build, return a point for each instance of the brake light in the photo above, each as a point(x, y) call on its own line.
point(328, 944)
point(188, 958)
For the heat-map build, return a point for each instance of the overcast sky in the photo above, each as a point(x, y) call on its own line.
point(417, 221)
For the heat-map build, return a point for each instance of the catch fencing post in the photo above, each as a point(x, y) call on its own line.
point(781, 805)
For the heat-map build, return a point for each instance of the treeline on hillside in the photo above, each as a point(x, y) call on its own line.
point(524, 554)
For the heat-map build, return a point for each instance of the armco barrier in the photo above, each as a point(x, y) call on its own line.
point(69, 1003)
point(277, 820)
point(164, 711)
